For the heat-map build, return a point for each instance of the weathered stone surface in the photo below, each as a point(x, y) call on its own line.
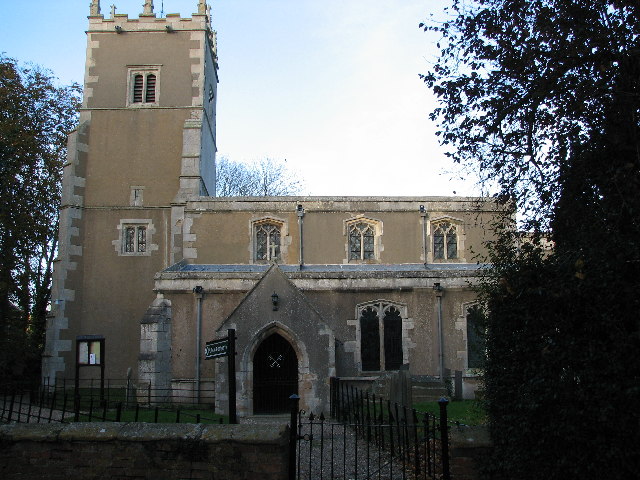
point(138, 450)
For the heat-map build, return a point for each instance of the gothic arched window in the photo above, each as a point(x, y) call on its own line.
point(370, 339)
point(381, 326)
point(267, 238)
point(445, 241)
point(361, 241)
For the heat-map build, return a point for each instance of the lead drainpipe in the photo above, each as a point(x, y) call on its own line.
point(300, 212)
point(423, 214)
point(199, 291)
point(437, 288)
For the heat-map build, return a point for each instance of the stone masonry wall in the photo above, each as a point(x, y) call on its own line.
point(469, 445)
point(127, 451)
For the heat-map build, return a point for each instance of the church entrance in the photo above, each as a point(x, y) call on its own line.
point(275, 376)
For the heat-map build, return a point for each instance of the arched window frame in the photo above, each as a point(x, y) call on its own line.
point(447, 225)
point(143, 85)
point(381, 310)
point(462, 324)
point(257, 227)
point(369, 231)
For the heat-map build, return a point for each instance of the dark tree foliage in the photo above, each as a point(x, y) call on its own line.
point(35, 118)
point(544, 97)
point(266, 177)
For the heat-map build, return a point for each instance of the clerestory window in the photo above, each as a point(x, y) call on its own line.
point(445, 241)
point(361, 241)
point(267, 241)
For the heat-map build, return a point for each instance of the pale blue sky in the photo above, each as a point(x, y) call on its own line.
point(331, 86)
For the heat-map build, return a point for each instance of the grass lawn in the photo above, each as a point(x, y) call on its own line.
point(164, 416)
point(469, 412)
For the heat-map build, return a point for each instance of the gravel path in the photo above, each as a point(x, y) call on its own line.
point(24, 412)
point(333, 451)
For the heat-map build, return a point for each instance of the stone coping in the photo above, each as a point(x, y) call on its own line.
point(141, 432)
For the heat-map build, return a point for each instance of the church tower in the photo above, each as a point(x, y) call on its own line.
point(145, 144)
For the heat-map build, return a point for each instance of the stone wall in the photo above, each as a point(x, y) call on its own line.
point(469, 445)
point(122, 451)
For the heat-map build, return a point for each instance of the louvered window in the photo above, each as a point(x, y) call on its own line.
point(150, 91)
point(138, 85)
point(144, 87)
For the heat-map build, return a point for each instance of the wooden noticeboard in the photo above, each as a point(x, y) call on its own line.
point(226, 347)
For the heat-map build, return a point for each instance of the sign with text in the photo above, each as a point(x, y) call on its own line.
point(216, 348)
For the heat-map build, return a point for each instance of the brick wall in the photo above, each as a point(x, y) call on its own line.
point(126, 451)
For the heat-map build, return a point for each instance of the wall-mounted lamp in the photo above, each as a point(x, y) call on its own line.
point(274, 300)
point(422, 209)
point(437, 287)
point(198, 289)
point(118, 29)
point(168, 28)
point(300, 210)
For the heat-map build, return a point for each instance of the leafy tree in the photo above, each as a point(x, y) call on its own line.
point(35, 118)
point(543, 98)
point(266, 177)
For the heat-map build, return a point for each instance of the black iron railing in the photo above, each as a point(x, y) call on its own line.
point(370, 437)
point(117, 400)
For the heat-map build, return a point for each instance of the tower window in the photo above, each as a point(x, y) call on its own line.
point(135, 239)
point(143, 86)
point(150, 91)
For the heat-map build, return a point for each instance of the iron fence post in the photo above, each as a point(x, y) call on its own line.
point(444, 438)
point(293, 435)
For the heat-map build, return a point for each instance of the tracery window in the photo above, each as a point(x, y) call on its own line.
point(381, 326)
point(361, 241)
point(267, 241)
point(445, 241)
point(134, 239)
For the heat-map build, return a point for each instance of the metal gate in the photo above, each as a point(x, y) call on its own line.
point(275, 375)
point(368, 438)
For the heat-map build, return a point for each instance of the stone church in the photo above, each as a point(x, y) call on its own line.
point(151, 265)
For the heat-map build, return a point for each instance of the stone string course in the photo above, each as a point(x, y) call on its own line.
point(126, 451)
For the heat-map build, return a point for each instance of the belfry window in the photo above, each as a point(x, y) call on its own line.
point(361, 241)
point(381, 337)
point(445, 241)
point(144, 88)
point(143, 85)
point(267, 241)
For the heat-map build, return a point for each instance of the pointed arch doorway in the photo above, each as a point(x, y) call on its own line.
point(275, 375)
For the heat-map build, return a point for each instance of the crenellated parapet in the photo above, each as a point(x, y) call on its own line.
point(148, 20)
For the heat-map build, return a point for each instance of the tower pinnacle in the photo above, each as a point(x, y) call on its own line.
point(94, 8)
point(148, 7)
